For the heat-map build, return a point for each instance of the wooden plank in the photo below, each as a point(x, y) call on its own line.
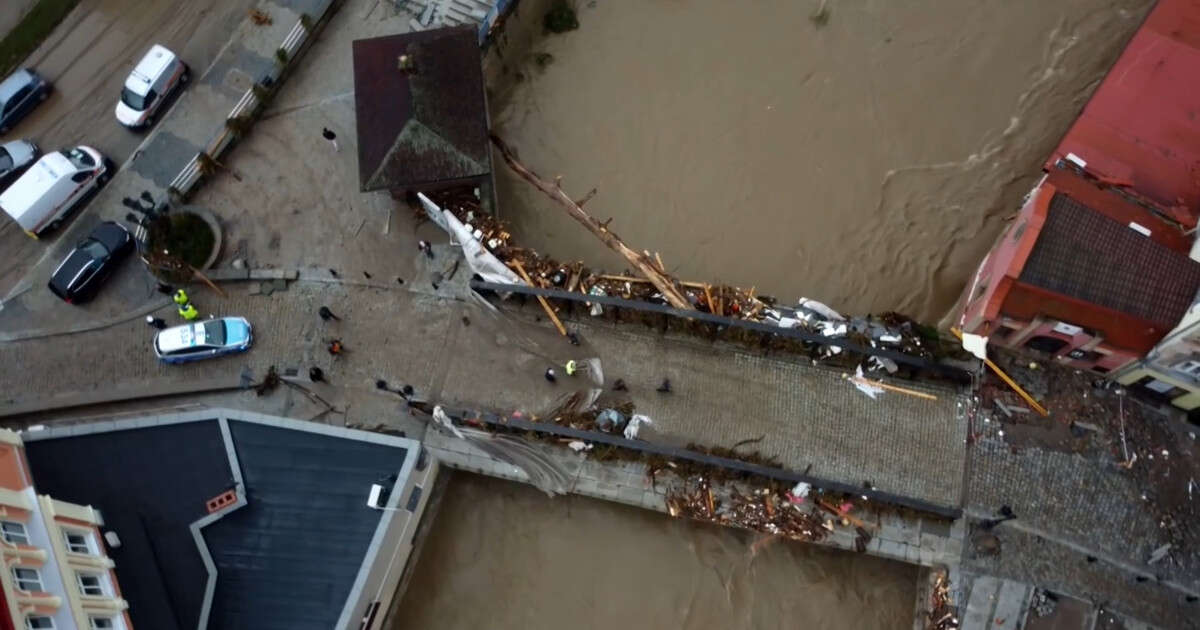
point(562, 330)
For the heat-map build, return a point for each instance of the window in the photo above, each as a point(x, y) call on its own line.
point(40, 622)
point(1191, 368)
point(81, 177)
point(77, 542)
point(14, 532)
point(90, 584)
point(102, 623)
point(27, 579)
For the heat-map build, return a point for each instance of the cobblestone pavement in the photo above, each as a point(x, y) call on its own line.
point(806, 414)
point(1071, 506)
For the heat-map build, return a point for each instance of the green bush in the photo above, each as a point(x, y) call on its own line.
point(20, 42)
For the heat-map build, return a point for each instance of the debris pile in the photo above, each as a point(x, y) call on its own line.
point(764, 510)
point(943, 615)
point(890, 331)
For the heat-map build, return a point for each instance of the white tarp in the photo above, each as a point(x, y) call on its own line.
point(975, 344)
point(478, 257)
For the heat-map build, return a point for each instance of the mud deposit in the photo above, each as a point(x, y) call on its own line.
point(504, 556)
point(868, 162)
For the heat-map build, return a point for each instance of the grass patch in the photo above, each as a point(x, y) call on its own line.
point(188, 237)
point(32, 29)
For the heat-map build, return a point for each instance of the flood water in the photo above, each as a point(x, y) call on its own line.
point(503, 556)
point(868, 162)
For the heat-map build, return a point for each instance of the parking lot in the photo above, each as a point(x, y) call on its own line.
point(87, 59)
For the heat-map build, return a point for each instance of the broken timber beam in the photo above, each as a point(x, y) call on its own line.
point(660, 281)
point(516, 264)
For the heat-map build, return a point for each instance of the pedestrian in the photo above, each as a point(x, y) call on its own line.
point(327, 314)
point(665, 388)
point(335, 347)
point(573, 338)
point(331, 137)
point(550, 375)
point(180, 298)
point(155, 322)
point(619, 386)
point(164, 288)
point(572, 367)
point(188, 312)
point(406, 391)
point(316, 374)
point(425, 247)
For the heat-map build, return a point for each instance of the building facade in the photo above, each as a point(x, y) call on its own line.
point(57, 574)
point(1082, 274)
point(1171, 371)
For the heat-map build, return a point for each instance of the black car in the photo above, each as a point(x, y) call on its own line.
point(19, 94)
point(81, 273)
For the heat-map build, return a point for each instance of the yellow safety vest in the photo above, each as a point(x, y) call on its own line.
point(181, 298)
point(188, 312)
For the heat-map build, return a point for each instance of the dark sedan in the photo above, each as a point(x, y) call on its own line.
point(81, 273)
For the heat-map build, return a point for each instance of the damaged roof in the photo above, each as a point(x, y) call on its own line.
point(424, 125)
point(1084, 254)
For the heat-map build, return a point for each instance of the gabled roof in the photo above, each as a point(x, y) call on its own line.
point(423, 126)
point(1141, 126)
point(286, 555)
point(1082, 253)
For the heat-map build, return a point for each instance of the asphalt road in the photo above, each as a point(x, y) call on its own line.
point(87, 59)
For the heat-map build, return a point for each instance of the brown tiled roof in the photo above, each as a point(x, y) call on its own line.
point(425, 126)
point(1085, 255)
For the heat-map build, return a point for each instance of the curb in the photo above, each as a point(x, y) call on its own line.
point(119, 394)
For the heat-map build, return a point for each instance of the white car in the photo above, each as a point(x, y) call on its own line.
point(40, 199)
point(154, 78)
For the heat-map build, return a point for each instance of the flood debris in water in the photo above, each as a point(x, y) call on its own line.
point(943, 615)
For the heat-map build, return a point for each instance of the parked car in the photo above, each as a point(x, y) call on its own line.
point(19, 94)
point(152, 81)
point(80, 274)
point(203, 340)
point(54, 186)
point(14, 157)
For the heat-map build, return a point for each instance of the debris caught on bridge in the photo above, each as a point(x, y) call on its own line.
point(943, 615)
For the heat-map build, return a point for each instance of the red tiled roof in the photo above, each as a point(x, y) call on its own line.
point(1083, 254)
point(1142, 125)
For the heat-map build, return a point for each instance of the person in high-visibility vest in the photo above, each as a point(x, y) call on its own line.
point(180, 298)
point(188, 312)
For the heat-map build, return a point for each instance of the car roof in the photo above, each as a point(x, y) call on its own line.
point(75, 262)
point(181, 337)
point(148, 69)
point(24, 193)
point(111, 234)
point(14, 82)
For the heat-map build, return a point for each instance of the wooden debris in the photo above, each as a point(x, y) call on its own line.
point(562, 330)
point(664, 284)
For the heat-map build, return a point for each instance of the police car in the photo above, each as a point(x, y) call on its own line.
point(203, 340)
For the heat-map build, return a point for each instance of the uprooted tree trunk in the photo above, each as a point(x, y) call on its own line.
point(642, 263)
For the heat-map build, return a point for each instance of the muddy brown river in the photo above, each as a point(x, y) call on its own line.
point(868, 161)
point(502, 555)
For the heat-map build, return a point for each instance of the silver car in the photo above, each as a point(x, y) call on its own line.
point(203, 340)
point(14, 157)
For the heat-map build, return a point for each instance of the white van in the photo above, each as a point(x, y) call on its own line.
point(158, 74)
point(41, 198)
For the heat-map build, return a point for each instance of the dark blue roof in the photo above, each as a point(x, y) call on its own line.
point(150, 485)
point(287, 559)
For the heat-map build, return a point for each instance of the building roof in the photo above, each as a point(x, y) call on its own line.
point(286, 555)
point(423, 126)
point(1141, 127)
point(1082, 253)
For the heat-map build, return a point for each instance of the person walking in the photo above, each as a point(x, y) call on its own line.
point(164, 288)
point(425, 247)
point(188, 312)
point(180, 298)
point(550, 375)
point(335, 347)
point(331, 137)
point(155, 322)
point(327, 314)
point(316, 374)
point(665, 388)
